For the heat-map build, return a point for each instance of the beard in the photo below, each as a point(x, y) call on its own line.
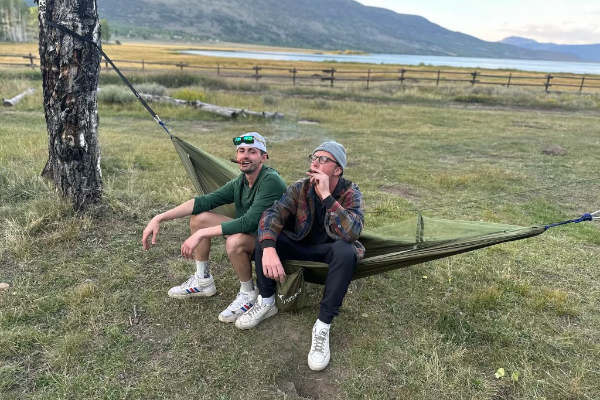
point(248, 166)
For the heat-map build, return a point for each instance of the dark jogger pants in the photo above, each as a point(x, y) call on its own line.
point(340, 255)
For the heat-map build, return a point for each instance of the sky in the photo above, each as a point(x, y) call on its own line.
point(546, 21)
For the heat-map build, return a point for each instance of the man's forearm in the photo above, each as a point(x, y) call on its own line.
point(180, 211)
point(211, 231)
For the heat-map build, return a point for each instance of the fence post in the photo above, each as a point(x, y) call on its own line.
point(437, 82)
point(509, 76)
point(181, 65)
point(293, 71)
point(256, 68)
point(105, 63)
point(402, 71)
point(218, 69)
point(368, 77)
point(332, 77)
point(547, 84)
point(474, 74)
point(582, 82)
point(143, 66)
point(30, 60)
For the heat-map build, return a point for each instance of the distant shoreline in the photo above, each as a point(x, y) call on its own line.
point(579, 67)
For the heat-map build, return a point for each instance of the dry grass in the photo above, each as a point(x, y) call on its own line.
point(439, 329)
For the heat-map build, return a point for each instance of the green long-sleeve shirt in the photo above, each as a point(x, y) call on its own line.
point(250, 202)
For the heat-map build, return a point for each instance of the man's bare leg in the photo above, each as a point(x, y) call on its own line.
point(205, 220)
point(201, 283)
point(239, 249)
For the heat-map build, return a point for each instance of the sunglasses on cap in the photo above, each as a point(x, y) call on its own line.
point(322, 159)
point(246, 140)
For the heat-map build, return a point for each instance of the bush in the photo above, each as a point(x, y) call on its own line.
point(320, 104)
point(152, 88)
point(115, 95)
point(270, 101)
point(169, 80)
point(189, 95)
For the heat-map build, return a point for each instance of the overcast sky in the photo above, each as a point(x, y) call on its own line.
point(556, 21)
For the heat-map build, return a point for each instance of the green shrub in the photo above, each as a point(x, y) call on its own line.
point(189, 95)
point(152, 88)
point(269, 100)
point(320, 104)
point(115, 95)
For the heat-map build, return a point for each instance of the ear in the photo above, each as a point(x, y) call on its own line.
point(338, 171)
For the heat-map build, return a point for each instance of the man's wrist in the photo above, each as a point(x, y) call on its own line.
point(268, 244)
point(328, 201)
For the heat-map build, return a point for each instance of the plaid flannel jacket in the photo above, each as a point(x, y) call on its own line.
point(344, 219)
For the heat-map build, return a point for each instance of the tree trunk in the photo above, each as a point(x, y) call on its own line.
point(70, 69)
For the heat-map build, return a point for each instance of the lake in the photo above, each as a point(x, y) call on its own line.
point(464, 62)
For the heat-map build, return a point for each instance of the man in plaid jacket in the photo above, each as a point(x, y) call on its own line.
point(327, 212)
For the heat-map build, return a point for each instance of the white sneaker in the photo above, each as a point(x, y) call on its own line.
point(242, 303)
point(193, 287)
point(318, 357)
point(256, 314)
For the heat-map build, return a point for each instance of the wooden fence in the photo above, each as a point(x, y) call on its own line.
point(366, 78)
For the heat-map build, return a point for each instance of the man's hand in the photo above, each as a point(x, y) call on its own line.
point(272, 267)
point(151, 229)
point(321, 182)
point(187, 248)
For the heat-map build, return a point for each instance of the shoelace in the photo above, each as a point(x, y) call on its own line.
point(239, 301)
point(319, 342)
point(188, 283)
point(256, 309)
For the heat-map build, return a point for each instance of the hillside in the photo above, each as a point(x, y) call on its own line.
point(313, 24)
point(330, 25)
point(588, 52)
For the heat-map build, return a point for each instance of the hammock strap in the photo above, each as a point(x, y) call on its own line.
point(137, 95)
point(584, 217)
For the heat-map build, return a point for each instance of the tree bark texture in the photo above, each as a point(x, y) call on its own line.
point(70, 69)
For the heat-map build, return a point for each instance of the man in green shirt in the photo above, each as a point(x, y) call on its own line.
point(252, 192)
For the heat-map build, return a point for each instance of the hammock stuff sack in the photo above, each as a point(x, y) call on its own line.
point(401, 244)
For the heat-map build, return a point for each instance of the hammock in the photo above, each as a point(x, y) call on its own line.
point(403, 244)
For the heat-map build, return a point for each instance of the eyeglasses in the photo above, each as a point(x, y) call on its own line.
point(246, 139)
point(322, 159)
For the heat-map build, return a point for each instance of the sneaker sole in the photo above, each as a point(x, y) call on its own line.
point(271, 312)
point(204, 293)
point(319, 366)
point(229, 319)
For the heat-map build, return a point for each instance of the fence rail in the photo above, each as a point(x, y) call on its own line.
point(329, 76)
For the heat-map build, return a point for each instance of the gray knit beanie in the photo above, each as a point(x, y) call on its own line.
point(336, 150)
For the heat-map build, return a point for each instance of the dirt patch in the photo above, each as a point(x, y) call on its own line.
point(405, 191)
point(296, 380)
point(307, 122)
point(554, 151)
point(528, 125)
point(315, 385)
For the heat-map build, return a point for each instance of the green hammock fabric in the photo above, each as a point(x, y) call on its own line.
point(402, 244)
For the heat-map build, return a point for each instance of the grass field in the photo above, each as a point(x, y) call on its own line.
point(86, 315)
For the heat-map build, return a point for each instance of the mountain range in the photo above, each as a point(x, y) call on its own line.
point(587, 52)
point(310, 24)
